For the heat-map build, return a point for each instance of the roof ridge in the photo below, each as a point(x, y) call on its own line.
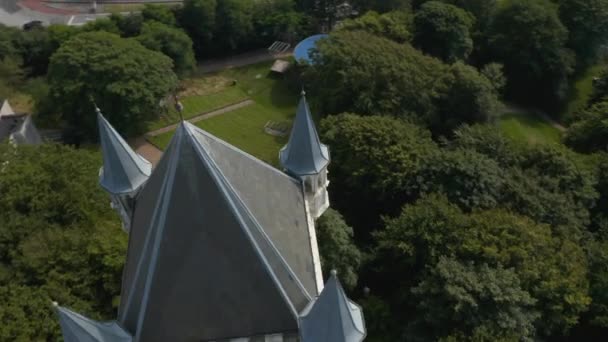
point(245, 154)
point(256, 225)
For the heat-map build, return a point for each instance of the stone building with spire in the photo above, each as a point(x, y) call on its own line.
point(222, 246)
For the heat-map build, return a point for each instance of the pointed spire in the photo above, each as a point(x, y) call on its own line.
point(6, 109)
point(200, 257)
point(332, 317)
point(77, 328)
point(27, 133)
point(124, 171)
point(304, 154)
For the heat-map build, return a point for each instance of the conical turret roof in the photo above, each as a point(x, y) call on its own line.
point(6, 109)
point(124, 171)
point(332, 317)
point(77, 328)
point(304, 154)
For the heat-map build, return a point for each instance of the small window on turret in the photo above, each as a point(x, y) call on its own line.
point(307, 185)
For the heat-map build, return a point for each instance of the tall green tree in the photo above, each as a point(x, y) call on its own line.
point(395, 25)
point(349, 74)
point(444, 31)
point(337, 248)
point(198, 17)
point(234, 24)
point(587, 23)
point(466, 97)
point(161, 13)
point(531, 270)
point(124, 78)
point(172, 42)
point(59, 240)
point(529, 39)
point(589, 133)
point(375, 159)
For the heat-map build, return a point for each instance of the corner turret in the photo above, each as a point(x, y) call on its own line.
point(124, 172)
point(306, 158)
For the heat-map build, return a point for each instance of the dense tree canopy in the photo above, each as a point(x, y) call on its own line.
point(531, 270)
point(59, 240)
point(396, 25)
point(444, 31)
point(589, 133)
point(529, 38)
point(172, 42)
point(374, 159)
point(587, 23)
point(125, 79)
point(337, 248)
point(162, 14)
point(400, 81)
point(198, 18)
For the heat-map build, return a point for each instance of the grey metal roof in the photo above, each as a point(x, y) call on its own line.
point(304, 154)
point(332, 317)
point(77, 328)
point(123, 171)
point(26, 133)
point(199, 266)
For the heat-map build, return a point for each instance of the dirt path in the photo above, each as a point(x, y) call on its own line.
point(248, 58)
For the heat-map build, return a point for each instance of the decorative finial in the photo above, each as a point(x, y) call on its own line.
point(333, 273)
point(55, 303)
point(97, 110)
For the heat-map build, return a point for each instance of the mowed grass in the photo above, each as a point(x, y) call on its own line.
point(244, 127)
point(525, 127)
point(200, 104)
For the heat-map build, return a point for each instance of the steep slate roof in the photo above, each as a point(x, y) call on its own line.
point(199, 266)
point(304, 154)
point(332, 317)
point(275, 199)
point(77, 328)
point(123, 170)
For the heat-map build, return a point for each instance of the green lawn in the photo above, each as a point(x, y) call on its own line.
point(196, 105)
point(581, 90)
point(244, 127)
point(525, 127)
